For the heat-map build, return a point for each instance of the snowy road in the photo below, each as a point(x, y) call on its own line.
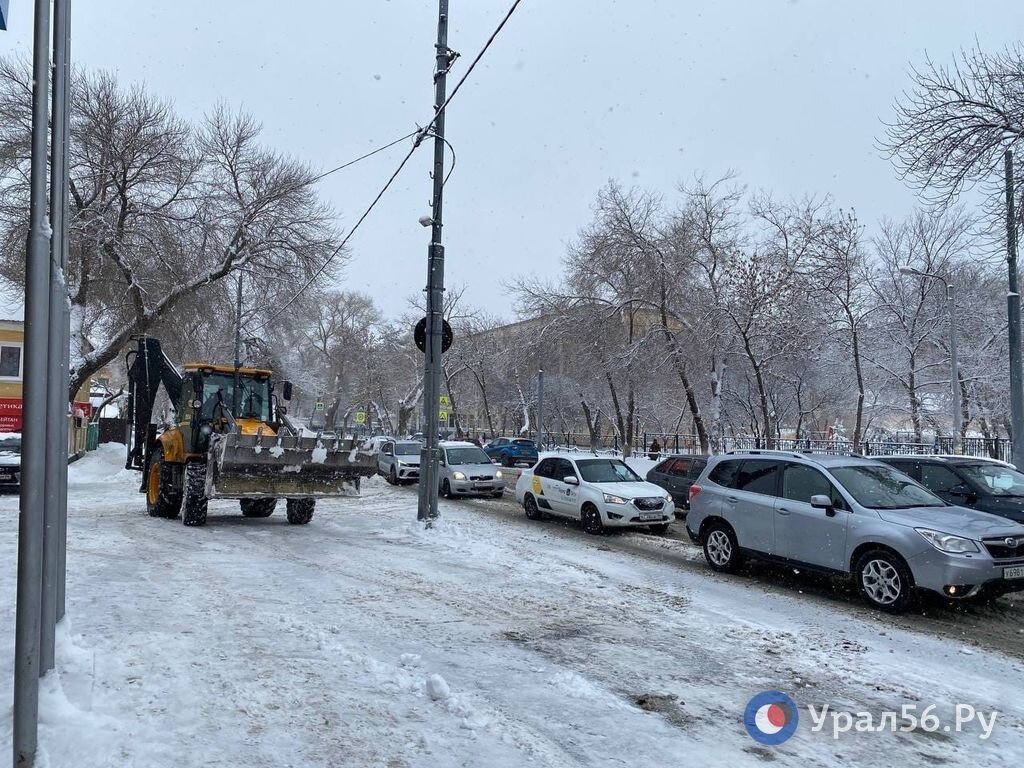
point(362, 640)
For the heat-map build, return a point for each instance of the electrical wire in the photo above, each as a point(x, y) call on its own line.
point(420, 135)
point(363, 157)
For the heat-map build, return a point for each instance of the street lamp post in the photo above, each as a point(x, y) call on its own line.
point(953, 360)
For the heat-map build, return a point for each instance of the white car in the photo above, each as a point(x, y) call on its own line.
point(465, 470)
point(399, 461)
point(599, 492)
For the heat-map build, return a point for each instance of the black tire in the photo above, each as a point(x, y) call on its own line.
point(446, 489)
point(258, 507)
point(720, 548)
point(507, 461)
point(532, 510)
point(658, 530)
point(195, 503)
point(591, 519)
point(884, 580)
point(393, 475)
point(166, 501)
point(300, 511)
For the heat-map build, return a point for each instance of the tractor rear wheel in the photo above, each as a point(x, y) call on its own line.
point(300, 511)
point(194, 511)
point(258, 507)
point(163, 498)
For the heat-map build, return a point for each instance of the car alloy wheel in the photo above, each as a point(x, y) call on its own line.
point(881, 582)
point(719, 548)
point(885, 581)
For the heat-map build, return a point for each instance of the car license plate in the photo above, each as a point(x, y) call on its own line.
point(1014, 573)
point(6, 475)
point(650, 515)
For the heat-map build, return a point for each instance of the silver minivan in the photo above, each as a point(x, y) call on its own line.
point(465, 470)
point(849, 515)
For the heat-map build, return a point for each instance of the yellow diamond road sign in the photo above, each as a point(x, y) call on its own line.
point(443, 416)
point(360, 417)
point(445, 403)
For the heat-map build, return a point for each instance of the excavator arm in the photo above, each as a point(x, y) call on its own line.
point(148, 369)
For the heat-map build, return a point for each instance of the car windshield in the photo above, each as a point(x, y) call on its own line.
point(606, 471)
point(467, 455)
point(408, 449)
point(10, 445)
point(995, 479)
point(880, 487)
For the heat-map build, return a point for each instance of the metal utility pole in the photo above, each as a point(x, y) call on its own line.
point(1013, 317)
point(33, 446)
point(427, 509)
point(236, 409)
point(57, 379)
point(63, 74)
point(954, 364)
point(540, 410)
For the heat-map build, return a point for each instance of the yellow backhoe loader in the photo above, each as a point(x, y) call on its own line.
point(231, 439)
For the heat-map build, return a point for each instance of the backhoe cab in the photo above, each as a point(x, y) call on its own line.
point(231, 439)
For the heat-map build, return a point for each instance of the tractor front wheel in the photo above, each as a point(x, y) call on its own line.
point(194, 511)
point(300, 511)
point(258, 507)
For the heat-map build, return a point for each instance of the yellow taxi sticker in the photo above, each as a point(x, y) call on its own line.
point(537, 488)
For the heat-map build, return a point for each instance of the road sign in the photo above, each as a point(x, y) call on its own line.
point(360, 417)
point(446, 402)
point(319, 407)
point(419, 334)
point(442, 417)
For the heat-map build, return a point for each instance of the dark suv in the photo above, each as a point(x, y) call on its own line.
point(988, 486)
point(676, 474)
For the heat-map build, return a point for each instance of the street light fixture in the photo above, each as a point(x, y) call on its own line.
point(953, 362)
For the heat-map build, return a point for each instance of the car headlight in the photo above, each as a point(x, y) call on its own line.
point(947, 542)
point(459, 475)
point(498, 475)
point(611, 498)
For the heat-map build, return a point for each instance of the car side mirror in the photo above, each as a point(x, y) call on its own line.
point(571, 480)
point(821, 501)
point(960, 489)
point(286, 390)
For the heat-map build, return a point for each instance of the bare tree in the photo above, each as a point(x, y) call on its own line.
point(161, 212)
point(953, 125)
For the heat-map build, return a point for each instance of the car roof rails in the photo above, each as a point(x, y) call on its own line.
point(768, 452)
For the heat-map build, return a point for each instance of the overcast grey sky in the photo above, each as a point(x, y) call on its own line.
point(790, 93)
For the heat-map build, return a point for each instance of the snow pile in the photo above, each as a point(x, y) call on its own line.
point(102, 466)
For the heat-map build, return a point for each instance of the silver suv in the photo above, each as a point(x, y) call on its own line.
point(849, 515)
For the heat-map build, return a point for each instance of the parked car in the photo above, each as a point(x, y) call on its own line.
point(465, 470)
point(676, 474)
point(985, 484)
point(599, 492)
point(374, 444)
point(509, 451)
point(853, 516)
point(399, 461)
point(10, 461)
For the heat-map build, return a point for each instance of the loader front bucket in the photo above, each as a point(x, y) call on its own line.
point(287, 466)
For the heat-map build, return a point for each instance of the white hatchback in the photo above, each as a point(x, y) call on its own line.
point(599, 492)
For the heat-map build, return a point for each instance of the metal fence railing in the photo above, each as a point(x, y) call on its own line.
point(672, 443)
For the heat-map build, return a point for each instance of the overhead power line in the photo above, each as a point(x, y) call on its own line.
point(420, 134)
